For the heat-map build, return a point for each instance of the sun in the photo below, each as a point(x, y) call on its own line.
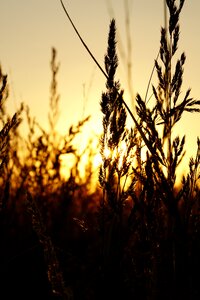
point(97, 160)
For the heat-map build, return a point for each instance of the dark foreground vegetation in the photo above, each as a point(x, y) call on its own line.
point(136, 236)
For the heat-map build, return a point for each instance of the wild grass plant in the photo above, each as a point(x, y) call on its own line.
point(159, 224)
point(8, 126)
point(36, 198)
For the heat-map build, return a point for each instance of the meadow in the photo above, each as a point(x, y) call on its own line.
point(128, 232)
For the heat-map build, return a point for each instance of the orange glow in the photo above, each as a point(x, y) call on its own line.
point(25, 57)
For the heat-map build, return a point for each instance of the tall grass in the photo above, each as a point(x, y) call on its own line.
point(160, 219)
point(35, 196)
point(8, 126)
point(135, 237)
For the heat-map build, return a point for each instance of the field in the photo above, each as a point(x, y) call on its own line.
point(128, 232)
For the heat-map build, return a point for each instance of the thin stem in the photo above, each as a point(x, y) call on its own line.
point(82, 41)
point(148, 86)
point(168, 99)
point(129, 48)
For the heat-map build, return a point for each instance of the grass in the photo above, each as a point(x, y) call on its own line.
point(136, 235)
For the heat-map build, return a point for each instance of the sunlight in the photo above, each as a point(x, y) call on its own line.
point(122, 153)
point(67, 162)
point(97, 160)
point(119, 155)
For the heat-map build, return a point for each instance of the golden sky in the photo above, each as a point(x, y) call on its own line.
point(29, 29)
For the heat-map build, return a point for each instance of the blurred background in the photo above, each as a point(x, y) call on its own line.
point(29, 29)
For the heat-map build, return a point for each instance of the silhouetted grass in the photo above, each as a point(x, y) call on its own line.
point(136, 235)
point(157, 230)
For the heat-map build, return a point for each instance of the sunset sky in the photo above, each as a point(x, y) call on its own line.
point(29, 29)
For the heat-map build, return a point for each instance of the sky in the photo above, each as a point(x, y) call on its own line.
point(29, 30)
